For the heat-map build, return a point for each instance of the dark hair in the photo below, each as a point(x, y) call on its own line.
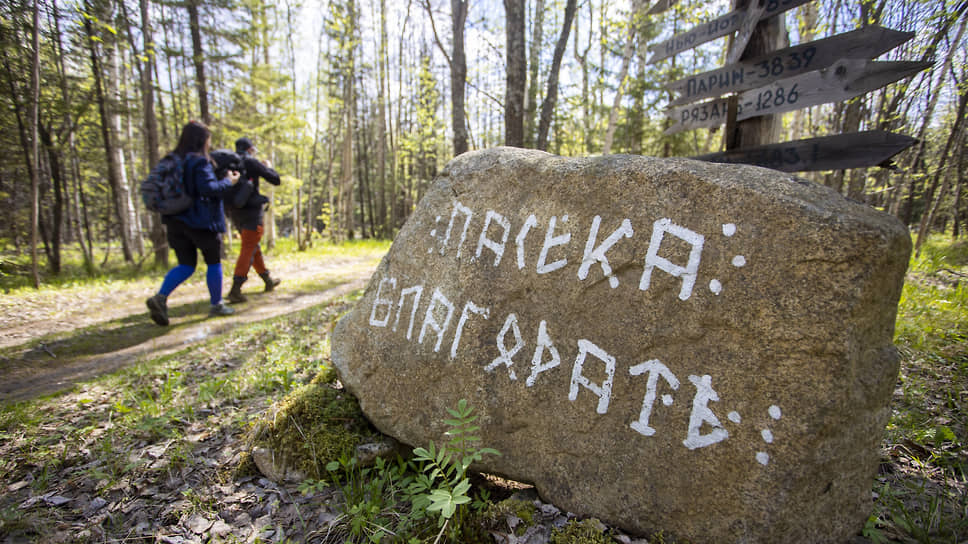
point(193, 138)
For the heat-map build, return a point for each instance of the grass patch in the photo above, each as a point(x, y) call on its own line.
point(147, 422)
point(921, 494)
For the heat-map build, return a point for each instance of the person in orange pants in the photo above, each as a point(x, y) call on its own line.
point(247, 210)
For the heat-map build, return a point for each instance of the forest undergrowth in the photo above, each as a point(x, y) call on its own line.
point(157, 452)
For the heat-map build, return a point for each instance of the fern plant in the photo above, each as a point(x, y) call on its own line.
point(441, 485)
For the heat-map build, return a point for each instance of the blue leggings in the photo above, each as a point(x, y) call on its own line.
point(213, 277)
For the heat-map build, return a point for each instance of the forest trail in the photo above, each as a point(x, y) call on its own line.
point(51, 340)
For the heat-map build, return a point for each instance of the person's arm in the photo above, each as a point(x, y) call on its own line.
point(254, 168)
point(205, 181)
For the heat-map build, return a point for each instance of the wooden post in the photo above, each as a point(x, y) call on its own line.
point(767, 37)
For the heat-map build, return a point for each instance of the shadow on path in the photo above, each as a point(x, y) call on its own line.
point(39, 367)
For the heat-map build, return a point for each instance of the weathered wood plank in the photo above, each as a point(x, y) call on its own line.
point(753, 15)
point(853, 150)
point(865, 43)
point(661, 6)
point(844, 80)
point(716, 28)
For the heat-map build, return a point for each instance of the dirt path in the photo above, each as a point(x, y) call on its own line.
point(93, 331)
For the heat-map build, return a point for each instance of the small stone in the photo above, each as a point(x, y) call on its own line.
point(198, 524)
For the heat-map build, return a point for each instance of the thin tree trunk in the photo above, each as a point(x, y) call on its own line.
point(582, 59)
point(147, 67)
point(551, 95)
point(114, 171)
point(534, 63)
point(381, 127)
point(516, 74)
point(198, 58)
point(902, 202)
point(627, 51)
point(35, 150)
point(349, 98)
point(930, 200)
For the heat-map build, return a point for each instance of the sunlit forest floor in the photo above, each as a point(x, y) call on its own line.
point(157, 451)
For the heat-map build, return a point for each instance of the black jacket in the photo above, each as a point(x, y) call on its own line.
point(245, 204)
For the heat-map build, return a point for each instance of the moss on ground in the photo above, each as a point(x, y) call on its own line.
point(313, 425)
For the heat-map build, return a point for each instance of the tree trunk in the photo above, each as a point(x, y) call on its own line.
point(349, 98)
point(627, 51)
point(516, 74)
point(903, 206)
point(35, 150)
point(198, 58)
point(551, 95)
point(381, 127)
point(157, 229)
point(931, 201)
point(110, 149)
point(128, 214)
point(534, 63)
point(582, 59)
point(458, 76)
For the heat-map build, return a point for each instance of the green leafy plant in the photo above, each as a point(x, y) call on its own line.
point(442, 486)
point(373, 496)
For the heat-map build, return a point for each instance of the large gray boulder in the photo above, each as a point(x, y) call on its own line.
point(664, 344)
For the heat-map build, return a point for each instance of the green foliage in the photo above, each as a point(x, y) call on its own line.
point(589, 531)
point(399, 498)
point(921, 497)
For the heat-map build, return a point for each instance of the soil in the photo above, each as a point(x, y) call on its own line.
point(92, 332)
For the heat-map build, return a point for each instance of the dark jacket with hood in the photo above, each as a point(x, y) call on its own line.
point(246, 205)
point(206, 211)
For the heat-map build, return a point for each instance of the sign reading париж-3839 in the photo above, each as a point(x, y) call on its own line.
point(865, 43)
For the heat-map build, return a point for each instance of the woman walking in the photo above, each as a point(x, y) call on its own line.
point(200, 227)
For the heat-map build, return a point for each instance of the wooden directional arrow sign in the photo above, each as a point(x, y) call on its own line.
point(716, 28)
point(660, 6)
point(842, 81)
point(854, 150)
point(865, 43)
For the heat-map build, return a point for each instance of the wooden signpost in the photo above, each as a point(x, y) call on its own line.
point(854, 150)
point(717, 28)
point(832, 69)
point(865, 43)
point(842, 81)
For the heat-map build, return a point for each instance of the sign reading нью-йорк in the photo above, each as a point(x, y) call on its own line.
point(717, 28)
point(670, 344)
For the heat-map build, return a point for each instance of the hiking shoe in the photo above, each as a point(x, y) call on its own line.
point(271, 282)
point(235, 295)
point(220, 309)
point(158, 309)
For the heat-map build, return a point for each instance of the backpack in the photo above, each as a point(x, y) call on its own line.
point(164, 191)
point(226, 160)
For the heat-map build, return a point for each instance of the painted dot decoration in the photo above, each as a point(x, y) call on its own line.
point(734, 417)
point(729, 229)
point(761, 456)
point(716, 287)
point(739, 261)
